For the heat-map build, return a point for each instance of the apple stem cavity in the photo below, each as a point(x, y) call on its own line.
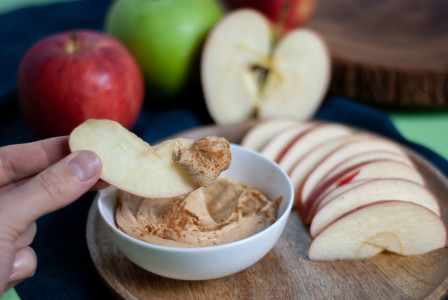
point(74, 46)
point(261, 73)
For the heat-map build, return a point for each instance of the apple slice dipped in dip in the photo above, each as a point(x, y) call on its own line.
point(172, 168)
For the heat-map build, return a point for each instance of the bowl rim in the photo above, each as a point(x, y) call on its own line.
point(285, 214)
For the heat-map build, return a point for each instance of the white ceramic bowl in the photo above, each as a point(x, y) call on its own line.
point(211, 262)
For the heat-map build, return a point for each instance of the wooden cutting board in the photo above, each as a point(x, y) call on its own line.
point(285, 272)
point(392, 53)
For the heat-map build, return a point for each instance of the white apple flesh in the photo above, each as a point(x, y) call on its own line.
point(262, 132)
point(401, 227)
point(342, 153)
point(277, 144)
point(369, 156)
point(370, 170)
point(317, 135)
point(311, 159)
point(369, 192)
point(246, 73)
point(131, 164)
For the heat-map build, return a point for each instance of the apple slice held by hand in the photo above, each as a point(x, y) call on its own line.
point(166, 170)
point(396, 226)
point(248, 73)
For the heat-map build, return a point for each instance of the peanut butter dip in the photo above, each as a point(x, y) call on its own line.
point(223, 212)
point(207, 158)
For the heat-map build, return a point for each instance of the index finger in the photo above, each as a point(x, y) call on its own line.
point(15, 159)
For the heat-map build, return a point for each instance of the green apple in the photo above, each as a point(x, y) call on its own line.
point(165, 37)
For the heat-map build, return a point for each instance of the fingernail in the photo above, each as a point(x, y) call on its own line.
point(85, 165)
point(25, 263)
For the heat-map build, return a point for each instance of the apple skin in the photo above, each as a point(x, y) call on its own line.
point(295, 15)
point(165, 37)
point(59, 87)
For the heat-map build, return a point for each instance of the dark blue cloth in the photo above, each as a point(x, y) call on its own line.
point(65, 270)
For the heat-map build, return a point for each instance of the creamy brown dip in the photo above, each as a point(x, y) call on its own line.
point(205, 160)
point(223, 212)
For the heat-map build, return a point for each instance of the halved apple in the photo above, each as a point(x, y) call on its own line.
point(369, 192)
point(247, 72)
point(131, 164)
point(401, 227)
point(262, 132)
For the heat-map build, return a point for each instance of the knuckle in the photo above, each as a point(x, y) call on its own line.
point(52, 184)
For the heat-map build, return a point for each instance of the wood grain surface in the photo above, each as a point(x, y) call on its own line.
point(285, 272)
point(392, 53)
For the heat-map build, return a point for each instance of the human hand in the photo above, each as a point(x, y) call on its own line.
point(35, 179)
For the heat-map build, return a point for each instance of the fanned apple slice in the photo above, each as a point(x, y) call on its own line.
point(132, 165)
point(369, 192)
point(274, 147)
point(342, 153)
point(396, 226)
point(357, 160)
point(262, 132)
point(312, 158)
point(247, 73)
point(368, 156)
point(370, 170)
point(315, 136)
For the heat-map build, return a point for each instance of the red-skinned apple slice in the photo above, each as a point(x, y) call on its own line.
point(359, 160)
point(132, 165)
point(308, 162)
point(368, 170)
point(401, 227)
point(308, 140)
point(369, 192)
point(262, 132)
point(342, 153)
point(368, 156)
point(327, 197)
point(247, 73)
point(274, 147)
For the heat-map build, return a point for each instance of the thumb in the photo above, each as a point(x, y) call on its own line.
point(53, 188)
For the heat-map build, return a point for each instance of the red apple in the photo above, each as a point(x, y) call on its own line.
point(288, 14)
point(69, 77)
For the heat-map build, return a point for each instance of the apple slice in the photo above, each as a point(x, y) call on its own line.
point(310, 160)
point(330, 195)
point(132, 165)
point(262, 132)
point(358, 160)
point(369, 170)
point(248, 73)
point(308, 140)
point(369, 192)
point(274, 147)
point(368, 156)
point(342, 153)
point(396, 226)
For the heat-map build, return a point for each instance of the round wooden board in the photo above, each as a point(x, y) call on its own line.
point(392, 53)
point(285, 272)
